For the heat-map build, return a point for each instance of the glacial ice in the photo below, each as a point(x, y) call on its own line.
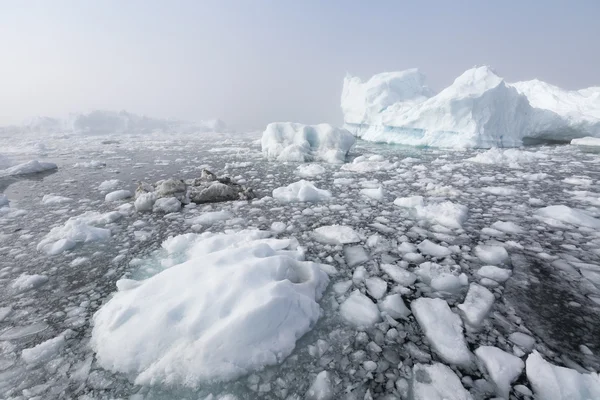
point(437, 382)
point(479, 109)
point(301, 191)
point(502, 367)
point(287, 141)
point(30, 167)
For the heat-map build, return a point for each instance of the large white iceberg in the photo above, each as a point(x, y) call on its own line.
point(288, 141)
point(233, 303)
point(479, 109)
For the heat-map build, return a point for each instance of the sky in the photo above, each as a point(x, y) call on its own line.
point(251, 62)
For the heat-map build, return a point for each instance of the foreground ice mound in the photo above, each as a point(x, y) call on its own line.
point(288, 141)
point(237, 303)
point(479, 109)
point(586, 141)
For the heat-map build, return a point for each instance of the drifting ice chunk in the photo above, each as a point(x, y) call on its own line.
point(210, 218)
point(443, 329)
point(551, 382)
point(499, 191)
point(80, 229)
point(359, 310)
point(376, 287)
point(586, 141)
point(510, 157)
point(310, 170)
point(44, 351)
point(31, 167)
point(437, 382)
point(477, 305)
point(394, 306)
point(568, 215)
point(109, 185)
point(238, 304)
point(145, 201)
point(399, 275)
point(373, 163)
point(522, 340)
point(431, 249)
point(448, 214)
point(491, 254)
point(287, 141)
point(409, 202)
point(495, 273)
point(336, 234)
point(507, 227)
point(375, 194)
point(321, 388)
point(355, 255)
point(27, 282)
point(118, 195)
point(53, 199)
point(166, 205)
point(502, 367)
point(301, 191)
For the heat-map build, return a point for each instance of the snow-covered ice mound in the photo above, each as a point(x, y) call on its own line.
point(479, 109)
point(235, 303)
point(288, 141)
point(30, 167)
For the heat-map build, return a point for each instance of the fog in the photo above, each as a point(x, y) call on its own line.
point(252, 62)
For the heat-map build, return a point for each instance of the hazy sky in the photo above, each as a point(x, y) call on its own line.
point(251, 62)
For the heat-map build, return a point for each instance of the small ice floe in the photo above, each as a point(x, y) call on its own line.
point(301, 191)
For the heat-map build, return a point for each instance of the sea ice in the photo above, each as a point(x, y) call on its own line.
point(495, 273)
point(166, 205)
point(310, 170)
point(437, 382)
point(30, 167)
point(586, 141)
point(502, 367)
point(81, 229)
point(27, 282)
point(336, 234)
point(54, 199)
point(568, 215)
point(443, 329)
point(237, 303)
point(491, 254)
point(118, 195)
point(301, 191)
point(394, 306)
point(429, 248)
point(477, 305)
point(551, 382)
point(359, 310)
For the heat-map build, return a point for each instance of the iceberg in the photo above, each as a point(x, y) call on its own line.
point(478, 110)
point(294, 142)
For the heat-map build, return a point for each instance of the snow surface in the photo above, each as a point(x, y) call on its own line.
point(479, 109)
point(288, 141)
point(237, 303)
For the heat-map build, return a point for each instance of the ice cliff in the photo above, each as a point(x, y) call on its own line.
point(479, 109)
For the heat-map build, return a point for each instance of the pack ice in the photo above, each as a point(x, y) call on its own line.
point(479, 109)
point(237, 303)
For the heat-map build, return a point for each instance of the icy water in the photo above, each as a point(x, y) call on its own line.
point(547, 296)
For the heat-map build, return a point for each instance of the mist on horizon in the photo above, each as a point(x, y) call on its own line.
point(250, 63)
